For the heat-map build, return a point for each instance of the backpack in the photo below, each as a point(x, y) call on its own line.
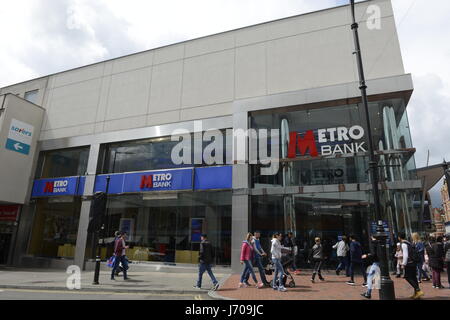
point(413, 254)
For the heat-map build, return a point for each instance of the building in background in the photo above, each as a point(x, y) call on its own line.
point(296, 75)
point(439, 221)
point(446, 206)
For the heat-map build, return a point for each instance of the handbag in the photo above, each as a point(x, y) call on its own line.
point(111, 261)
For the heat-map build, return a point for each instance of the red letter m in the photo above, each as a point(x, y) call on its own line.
point(48, 187)
point(147, 181)
point(303, 144)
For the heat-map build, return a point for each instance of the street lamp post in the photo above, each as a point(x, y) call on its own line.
point(387, 291)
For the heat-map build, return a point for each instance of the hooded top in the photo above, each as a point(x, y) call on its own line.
point(276, 249)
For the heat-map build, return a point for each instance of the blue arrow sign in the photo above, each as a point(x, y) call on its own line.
point(17, 146)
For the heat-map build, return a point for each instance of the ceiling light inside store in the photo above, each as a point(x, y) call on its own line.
point(156, 196)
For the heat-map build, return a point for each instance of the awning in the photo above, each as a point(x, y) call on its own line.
point(431, 175)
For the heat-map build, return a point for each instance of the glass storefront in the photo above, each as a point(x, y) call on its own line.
point(330, 215)
point(55, 227)
point(167, 227)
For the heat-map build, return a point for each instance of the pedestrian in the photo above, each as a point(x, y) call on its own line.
point(205, 259)
point(356, 261)
point(317, 258)
point(420, 248)
point(410, 265)
point(289, 242)
point(276, 259)
point(447, 256)
point(374, 270)
point(435, 253)
point(399, 257)
point(120, 253)
point(342, 249)
point(247, 252)
point(259, 254)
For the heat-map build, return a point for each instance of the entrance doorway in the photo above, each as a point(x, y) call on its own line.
point(5, 244)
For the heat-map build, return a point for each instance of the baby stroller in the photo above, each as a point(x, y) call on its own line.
point(286, 261)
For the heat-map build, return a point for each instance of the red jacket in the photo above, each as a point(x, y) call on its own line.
point(118, 247)
point(246, 251)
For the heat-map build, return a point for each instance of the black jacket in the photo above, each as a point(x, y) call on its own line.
point(206, 252)
point(436, 256)
point(373, 255)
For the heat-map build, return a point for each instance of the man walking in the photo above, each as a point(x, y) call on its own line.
point(356, 261)
point(120, 253)
point(409, 265)
point(205, 261)
point(342, 249)
point(289, 242)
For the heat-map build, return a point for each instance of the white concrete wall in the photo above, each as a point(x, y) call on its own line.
point(201, 78)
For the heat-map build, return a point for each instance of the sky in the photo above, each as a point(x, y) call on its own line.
point(41, 37)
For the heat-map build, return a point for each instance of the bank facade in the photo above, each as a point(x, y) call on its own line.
point(109, 127)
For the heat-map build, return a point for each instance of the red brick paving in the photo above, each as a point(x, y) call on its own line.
point(333, 288)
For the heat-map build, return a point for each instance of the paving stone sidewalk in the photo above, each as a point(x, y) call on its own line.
point(333, 288)
point(140, 281)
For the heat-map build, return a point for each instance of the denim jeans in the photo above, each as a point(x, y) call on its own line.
point(279, 272)
point(120, 260)
point(248, 268)
point(360, 265)
point(420, 272)
point(202, 267)
point(259, 265)
point(342, 264)
point(411, 276)
point(317, 269)
point(372, 271)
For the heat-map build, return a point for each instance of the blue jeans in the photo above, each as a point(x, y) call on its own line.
point(371, 275)
point(420, 272)
point(120, 260)
point(248, 269)
point(361, 267)
point(202, 267)
point(343, 265)
point(258, 263)
point(278, 271)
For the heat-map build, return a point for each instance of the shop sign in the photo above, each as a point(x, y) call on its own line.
point(327, 142)
point(8, 213)
point(19, 137)
point(55, 187)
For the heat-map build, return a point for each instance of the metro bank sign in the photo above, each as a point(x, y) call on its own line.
point(327, 142)
point(156, 181)
point(56, 187)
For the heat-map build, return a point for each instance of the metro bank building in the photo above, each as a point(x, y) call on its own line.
point(295, 79)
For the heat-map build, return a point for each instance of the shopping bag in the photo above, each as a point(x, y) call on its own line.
point(111, 261)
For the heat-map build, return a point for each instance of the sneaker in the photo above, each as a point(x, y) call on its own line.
point(282, 289)
point(321, 279)
point(275, 288)
point(112, 278)
point(215, 287)
point(312, 280)
point(426, 279)
point(259, 285)
point(352, 283)
point(247, 283)
point(242, 285)
point(365, 295)
point(434, 287)
point(441, 287)
point(364, 284)
point(196, 287)
point(419, 294)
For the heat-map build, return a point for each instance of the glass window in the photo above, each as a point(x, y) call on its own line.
point(62, 163)
point(55, 227)
point(31, 96)
point(149, 154)
point(166, 227)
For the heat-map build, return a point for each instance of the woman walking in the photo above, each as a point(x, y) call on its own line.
point(420, 248)
point(436, 257)
point(246, 259)
point(276, 259)
point(317, 259)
